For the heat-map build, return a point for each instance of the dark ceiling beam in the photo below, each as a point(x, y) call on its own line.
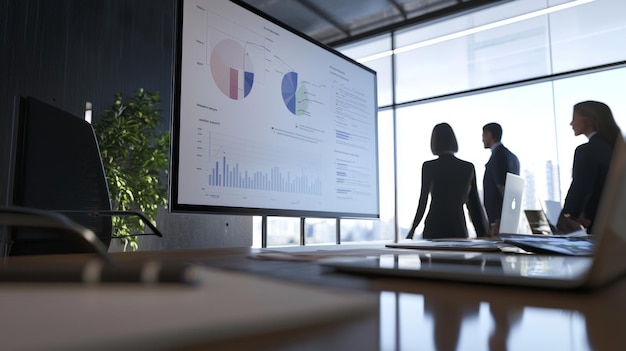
point(324, 15)
point(455, 10)
point(399, 8)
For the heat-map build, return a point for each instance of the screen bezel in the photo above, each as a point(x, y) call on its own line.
point(176, 207)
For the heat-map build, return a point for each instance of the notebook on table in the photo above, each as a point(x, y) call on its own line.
point(454, 244)
point(606, 263)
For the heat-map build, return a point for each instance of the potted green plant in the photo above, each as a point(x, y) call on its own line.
point(135, 159)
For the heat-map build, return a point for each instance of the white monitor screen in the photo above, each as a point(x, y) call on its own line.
point(268, 121)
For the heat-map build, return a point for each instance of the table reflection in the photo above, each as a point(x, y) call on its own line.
point(417, 322)
point(559, 267)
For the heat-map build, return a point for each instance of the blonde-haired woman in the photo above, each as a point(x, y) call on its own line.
point(595, 120)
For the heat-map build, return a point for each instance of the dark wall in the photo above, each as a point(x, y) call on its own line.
point(68, 52)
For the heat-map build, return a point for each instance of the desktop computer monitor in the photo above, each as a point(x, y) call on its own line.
point(267, 121)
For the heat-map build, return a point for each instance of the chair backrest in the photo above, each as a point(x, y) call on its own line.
point(57, 166)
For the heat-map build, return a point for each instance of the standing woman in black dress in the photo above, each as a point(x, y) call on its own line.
point(595, 120)
point(451, 183)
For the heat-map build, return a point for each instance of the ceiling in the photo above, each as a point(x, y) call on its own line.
point(337, 22)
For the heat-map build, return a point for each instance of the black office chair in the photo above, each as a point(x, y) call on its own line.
point(58, 167)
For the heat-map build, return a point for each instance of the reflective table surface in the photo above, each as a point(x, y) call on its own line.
point(420, 314)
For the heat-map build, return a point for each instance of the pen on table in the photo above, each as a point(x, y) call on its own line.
point(98, 272)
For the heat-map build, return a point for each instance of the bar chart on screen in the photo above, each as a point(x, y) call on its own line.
point(244, 164)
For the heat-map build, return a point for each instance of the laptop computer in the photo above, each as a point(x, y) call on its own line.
point(516, 232)
point(607, 262)
point(510, 223)
point(512, 204)
point(514, 219)
point(516, 229)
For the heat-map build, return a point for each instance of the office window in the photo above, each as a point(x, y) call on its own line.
point(535, 117)
point(566, 39)
point(607, 87)
point(527, 118)
point(283, 231)
point(257, 229)
point(449, 59)
point(320, 231)
point(588, 35)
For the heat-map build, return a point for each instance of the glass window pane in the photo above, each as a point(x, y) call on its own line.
point(384, 85)
point(588, 35)
point(445, 64)
point(527, 118)
point(431, 71)
point(283, 231)
point(257, 230)
point(366, 47)
point(360, 230)
point(514, 52)
point(607, 87)
point(475, 19)
point(320, 231)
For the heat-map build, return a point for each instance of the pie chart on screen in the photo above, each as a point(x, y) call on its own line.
point(294, 95)
point(232, 69)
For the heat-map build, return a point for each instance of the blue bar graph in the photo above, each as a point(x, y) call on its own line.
point(276, 180)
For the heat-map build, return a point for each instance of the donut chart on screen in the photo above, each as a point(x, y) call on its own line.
point(232, 69)
point(295, 95)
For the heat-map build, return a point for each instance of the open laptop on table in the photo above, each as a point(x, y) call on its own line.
point(510, 223)
point(515, 229)
point(515, 232)
point(510, 220)
point(607, 262)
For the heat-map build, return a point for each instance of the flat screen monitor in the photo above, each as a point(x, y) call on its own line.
point(267, 121)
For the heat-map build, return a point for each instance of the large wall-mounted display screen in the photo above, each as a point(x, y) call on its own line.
point(268, 121)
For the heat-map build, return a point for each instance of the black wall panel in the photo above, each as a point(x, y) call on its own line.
point(68, 52)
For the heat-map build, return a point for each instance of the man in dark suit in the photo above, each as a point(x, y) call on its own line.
point(502, 160)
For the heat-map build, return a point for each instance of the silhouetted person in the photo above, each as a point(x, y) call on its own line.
point(591, 164)
point(501, 162)
point(451, 183)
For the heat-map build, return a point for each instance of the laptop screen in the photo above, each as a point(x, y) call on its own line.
point(512, 204)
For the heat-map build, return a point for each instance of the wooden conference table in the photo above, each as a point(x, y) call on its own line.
point(290, 302)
